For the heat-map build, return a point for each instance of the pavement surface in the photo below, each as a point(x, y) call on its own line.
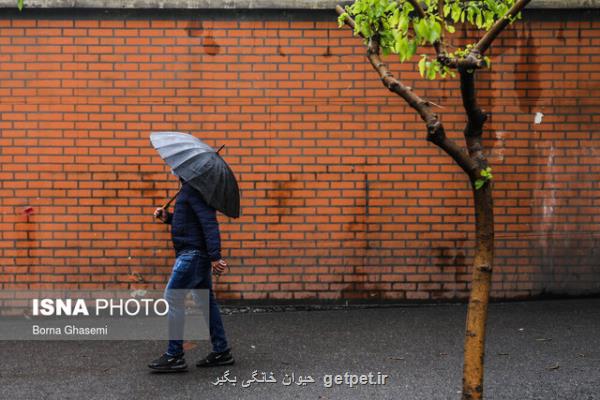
point(535, 350)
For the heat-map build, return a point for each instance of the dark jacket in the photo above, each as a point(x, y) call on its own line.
point(194, 224)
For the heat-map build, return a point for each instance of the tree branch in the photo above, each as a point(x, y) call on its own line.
point(440, 7)
point(476, 117)
point(435, 130)
point(486, 41)
point(474, 59)
point(418, 9)
point(474, 113)
point(348, 20)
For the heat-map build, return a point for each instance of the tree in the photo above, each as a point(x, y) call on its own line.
point(401, 27)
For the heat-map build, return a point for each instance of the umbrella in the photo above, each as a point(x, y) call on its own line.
point(202, 167)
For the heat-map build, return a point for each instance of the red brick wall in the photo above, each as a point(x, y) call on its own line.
point(342, 195)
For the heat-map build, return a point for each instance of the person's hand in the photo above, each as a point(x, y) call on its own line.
point(161, 214)
point(218, 267)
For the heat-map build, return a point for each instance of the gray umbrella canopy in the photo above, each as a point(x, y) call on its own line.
point(200, 165)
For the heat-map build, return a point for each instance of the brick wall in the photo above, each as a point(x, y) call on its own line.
point(342, 196)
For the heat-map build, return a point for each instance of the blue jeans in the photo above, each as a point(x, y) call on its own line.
point(192, 270)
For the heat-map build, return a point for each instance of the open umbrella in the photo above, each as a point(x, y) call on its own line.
point(200, 165)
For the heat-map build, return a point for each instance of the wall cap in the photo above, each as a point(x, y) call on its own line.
point(246, 4)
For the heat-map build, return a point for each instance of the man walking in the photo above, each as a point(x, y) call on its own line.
point(197, 242)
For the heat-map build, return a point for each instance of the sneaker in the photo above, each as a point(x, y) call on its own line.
point(167, 363)
point(216, 359)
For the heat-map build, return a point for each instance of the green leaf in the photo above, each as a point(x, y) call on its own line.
point(446, 10)
point(491, 4)
point(456, 13)
point(391, 6)
point(487, 173)
point(422, 66)
point(402, 47)
point(431, 73)
point(486, 176)
point(20, 4)
point(395, 18)
point(401, 31)
point(436, 32)
point(471, 14)
point(412, 48)
point(420, 27)
point(366, 31)
point(341, 18)
point(403, 23)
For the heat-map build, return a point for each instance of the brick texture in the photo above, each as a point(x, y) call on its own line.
point(342, 197)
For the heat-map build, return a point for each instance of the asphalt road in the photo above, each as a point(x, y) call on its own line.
point(536, 350)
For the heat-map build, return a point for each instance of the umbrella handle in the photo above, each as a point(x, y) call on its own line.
point(172, 198)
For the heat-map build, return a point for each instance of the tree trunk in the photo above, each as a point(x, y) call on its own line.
point(472, 164)
point(480, 292)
